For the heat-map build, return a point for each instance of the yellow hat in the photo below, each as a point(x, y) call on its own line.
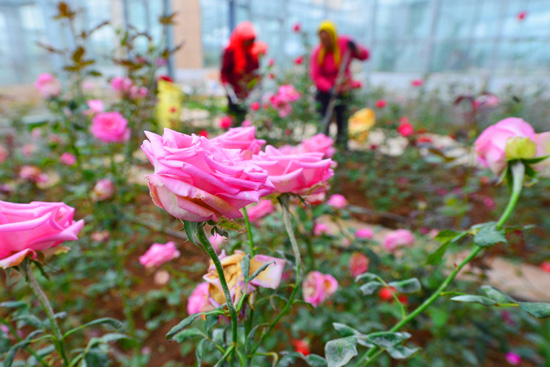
point(330, 28)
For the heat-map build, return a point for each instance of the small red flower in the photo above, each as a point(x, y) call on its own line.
point(299, 60)
point(271, 62)
point(386, 294)
point(405, 128)
point(165, 78)
point(172, 109)
point(545, 266)
point(301, 346)
point(203, 133)
point(417, 82)
point(381, 103)
point(521, 15)
point(424, 139)
point(271, 76)
point(255, 106)
point(297, 27)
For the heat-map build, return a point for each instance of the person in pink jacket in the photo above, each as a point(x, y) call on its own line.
point(324, 67)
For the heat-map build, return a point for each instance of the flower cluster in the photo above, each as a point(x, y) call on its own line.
point(125, 87)
point(286, 94)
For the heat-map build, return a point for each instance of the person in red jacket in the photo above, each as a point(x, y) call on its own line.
point(324, 67)
point(240, 63)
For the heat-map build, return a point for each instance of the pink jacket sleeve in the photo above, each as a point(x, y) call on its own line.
point(322, 83)
point(362, 53)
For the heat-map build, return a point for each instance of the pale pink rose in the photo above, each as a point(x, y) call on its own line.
point(121, 84)
point(271, 62)
point(290, 149)
point(100, 236)
point(260, 210)
point(319, 143)
point(33, 174)
point(161, 277)
point(286, 94)
point(543, 150)
point(67, 159)
point(54, 139)
point(358, 264)
point(216, 240)
point(26, 229)
point(364, 233)
point(110, 127)
point(320, 229)
point(513, 358)
point(225, 122)
point(490, 146)
point(3, 153)
point(241, 138)
point(398, 238)
point(28, 149)
point(316, 199)
point(159, 254)
point(417, 82)
point(318, 287)
point(138, 92)
point(337, 201)
point(103, 190)
point(48, 85)
point(486, 101)
point(269, 278)
point(198, 300)
point(246, 123)
point(301, 174)
point(87, 85)
point(197, 180)
point(96, 106)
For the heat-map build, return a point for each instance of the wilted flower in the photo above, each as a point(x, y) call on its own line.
point(358, 264)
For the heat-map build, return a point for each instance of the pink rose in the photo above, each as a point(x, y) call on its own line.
point(103, 190)
point(297, 27)
point(255, 106)
point(543, 149)
point(161, 277)
point(521, 15)
point(513, 358)
point(358, 264)
point(490, 146)
point(241, 138)
point(246, 123)
point(159, 254)
point(33, 174)
point(318, 287)
point(301, 174)
point(282, 100)
point(260, 210)
point(381, 103)
point(271, 62)
point(110, 127)
point(197, 180)
point(3, 153)
point(100, 236)
point(225, 122)
point(337, 201)
point(405, 128)
point(401, 237)
point(299, 60)
point(364, 233)
point(67, 159)
point(545, 266)
point(319, 143)
point(198, 300)
point(217, 241)
point(138, 92)
point(316, 199)
point(26, 229)
point(96, 106)
point(48, 85)
point(28, 149)
point(121, 84)
point(320, 229)
point(417, 82)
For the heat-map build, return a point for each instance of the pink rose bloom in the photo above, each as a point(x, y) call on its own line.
point(138, 92)
point(318, 287)
point(364, 233)
point(198, 300)
point(316, 199)
point(297, 27)
point(381, 103)
point(513, 358)
point(217, 241)
point(103, 190)
point(121, 84)
point(260, 210)
point(301, 174)
point(100, 236)
point(545, 266)
point(67, 159)
point(319, 143)
point(358, 264)
point(110, 127)
point(3, 153)
point(401, 237)
point(486, 100)
point(299, 60)
point(28, 149)
point(543, 149)
point(417, 82)
point(405, 128)
point(490, 146)
point(225, 122)
point(282, 100)
point(159, 254)
point(26, 229)
point(269, 278)
point(48, 85)
point(521, 15)
point(96, 106)
point(255, 106)
point(320, 229)
point(271, 62)
point(337, 201)
point(241, 138)
point(33, 174)
point(197, 180)
point(246, 123)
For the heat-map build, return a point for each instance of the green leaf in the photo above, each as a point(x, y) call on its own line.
point(340, 351)
point(537, 309)
point(199, 352)
point(401, 352)
point(316, 361)
point(227, 224)
point(288, 359)
point(370, 287)
point(250, 336)
point(186, 334)
point(534, 160)
point(489, 235)
point(366, 276)
point(10, 356)
point(106, 320)
point(211, 321)
point(245, 266)
point(485, 301)
point(96, 358)
point(344, 330)
point(497, 295)
point(387, 339)
point(407, 286)
point(190, 230)
point(188, 320)
point(446, 238)
point(13, 304)
point(259, 270)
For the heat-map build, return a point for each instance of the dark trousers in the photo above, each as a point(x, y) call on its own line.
point(237, 111)
point(341, 111)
